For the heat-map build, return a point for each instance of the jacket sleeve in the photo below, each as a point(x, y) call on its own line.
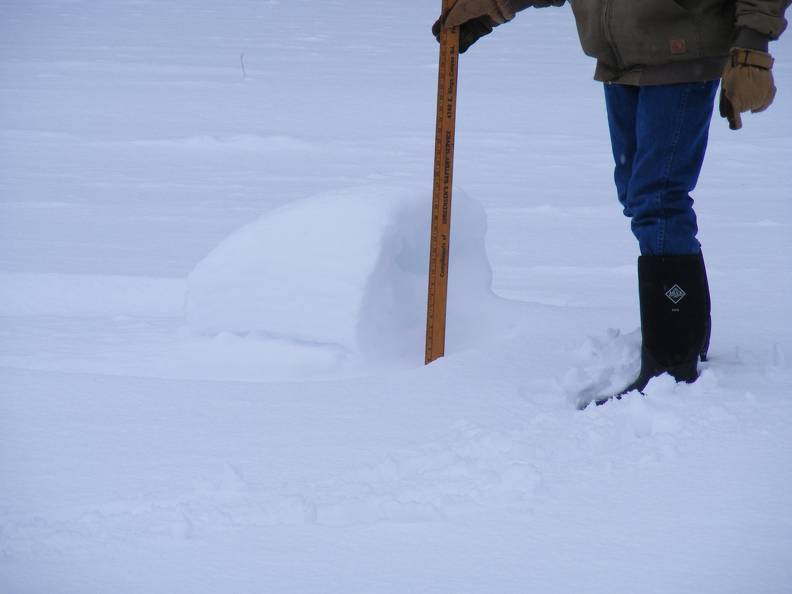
point(518, 5)
point(763, 16)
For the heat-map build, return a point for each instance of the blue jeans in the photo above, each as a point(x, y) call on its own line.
point(659, 137)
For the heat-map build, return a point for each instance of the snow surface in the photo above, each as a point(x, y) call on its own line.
point(156, 158)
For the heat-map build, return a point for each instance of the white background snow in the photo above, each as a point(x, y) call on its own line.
point(212, 297)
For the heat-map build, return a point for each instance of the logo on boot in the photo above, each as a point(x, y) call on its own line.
point(675, 294)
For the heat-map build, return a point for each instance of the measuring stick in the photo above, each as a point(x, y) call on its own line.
point(441, 193)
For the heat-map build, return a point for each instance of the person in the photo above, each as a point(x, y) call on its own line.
point(661, 62)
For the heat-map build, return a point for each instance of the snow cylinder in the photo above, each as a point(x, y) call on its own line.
point(347, 268)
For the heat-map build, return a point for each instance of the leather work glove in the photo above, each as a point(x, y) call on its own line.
point(747, 85)
point(475, 19)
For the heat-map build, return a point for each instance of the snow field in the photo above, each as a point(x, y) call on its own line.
point(268, 445)
point(496, 467)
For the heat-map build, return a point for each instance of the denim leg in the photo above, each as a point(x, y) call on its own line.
point(670, 140)
point(622, 105)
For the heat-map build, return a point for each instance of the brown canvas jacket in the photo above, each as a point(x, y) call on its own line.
point(649, 42)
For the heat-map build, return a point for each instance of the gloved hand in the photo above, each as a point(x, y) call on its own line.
point(475, 19)
point(747, 85)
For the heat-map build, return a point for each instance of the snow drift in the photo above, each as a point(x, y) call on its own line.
point(346, 268)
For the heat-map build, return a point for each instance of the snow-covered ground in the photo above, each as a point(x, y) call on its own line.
point(211, 298)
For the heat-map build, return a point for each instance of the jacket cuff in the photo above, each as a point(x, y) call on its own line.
point(751, 39)
point(771, 24)
point(518, 5)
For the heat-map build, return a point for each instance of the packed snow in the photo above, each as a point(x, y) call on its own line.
point(346, 269)
point(213, 252)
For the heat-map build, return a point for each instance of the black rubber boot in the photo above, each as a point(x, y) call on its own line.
point(675, 318)
point(708, 330)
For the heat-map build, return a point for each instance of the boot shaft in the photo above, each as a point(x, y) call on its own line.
point(675, 309)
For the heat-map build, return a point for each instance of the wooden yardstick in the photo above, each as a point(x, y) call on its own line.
point(441, 193)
